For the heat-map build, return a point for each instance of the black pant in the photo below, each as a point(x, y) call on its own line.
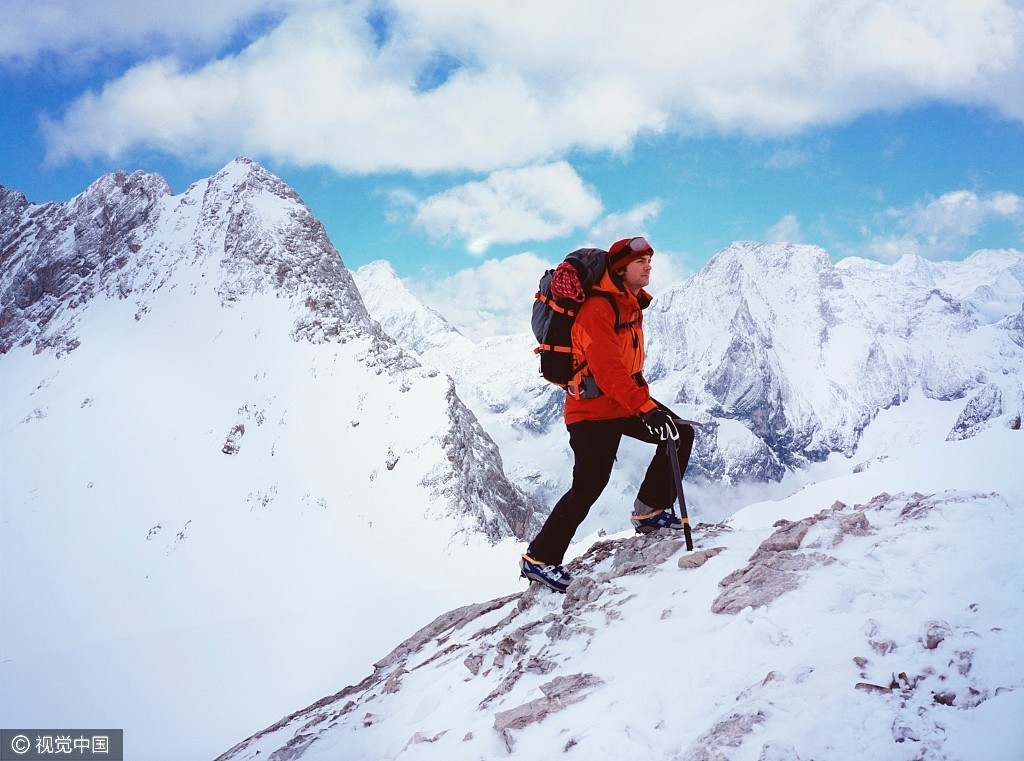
point(594, 443)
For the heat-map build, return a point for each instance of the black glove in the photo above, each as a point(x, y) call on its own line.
point(661, 424)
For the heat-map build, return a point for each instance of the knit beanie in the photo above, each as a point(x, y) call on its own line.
point(626, 250)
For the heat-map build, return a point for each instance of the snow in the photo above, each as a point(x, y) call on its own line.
point(189, 597)
point(929, 601)
point(152, 581)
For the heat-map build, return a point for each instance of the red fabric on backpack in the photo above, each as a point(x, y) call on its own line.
point(565, 283)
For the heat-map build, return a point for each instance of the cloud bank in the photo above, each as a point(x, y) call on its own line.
point(457, 85)
point(942, 227)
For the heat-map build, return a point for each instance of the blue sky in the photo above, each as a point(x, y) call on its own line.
point(472, 143)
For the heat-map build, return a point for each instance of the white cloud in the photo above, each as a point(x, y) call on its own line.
point(615, 227)
point(786, 230)
point(494, 298)
point(456, 84)
point(668, 267)
point(944, 226)
point(80, 31)
point(511, 206)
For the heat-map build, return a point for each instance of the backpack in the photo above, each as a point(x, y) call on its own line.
point(553, 319)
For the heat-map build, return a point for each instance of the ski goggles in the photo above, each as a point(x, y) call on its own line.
point(634, 249)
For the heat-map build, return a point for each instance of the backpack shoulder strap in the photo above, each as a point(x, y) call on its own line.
point(619, 324)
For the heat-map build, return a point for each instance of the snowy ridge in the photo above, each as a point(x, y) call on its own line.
point(128, 237)
point(887, 628)
point(498, 378)
point(242, 232)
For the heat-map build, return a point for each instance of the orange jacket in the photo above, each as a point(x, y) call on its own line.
point(615, 359)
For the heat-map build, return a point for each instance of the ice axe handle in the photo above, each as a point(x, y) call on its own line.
point(677, 479)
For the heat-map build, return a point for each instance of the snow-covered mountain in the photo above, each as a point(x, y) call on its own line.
point(847, 621)
point(204, 430)
point(792, 356)
point(402, 314)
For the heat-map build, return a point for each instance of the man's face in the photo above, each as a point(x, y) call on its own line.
point(637, 274)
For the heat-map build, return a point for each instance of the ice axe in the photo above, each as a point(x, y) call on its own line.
point(677, 480)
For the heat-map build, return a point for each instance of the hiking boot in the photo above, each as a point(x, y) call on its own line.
point(552, 576)
point(652, 521)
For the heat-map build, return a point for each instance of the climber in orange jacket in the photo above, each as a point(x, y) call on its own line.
point(607, 399)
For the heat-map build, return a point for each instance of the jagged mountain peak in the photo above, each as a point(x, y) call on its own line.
point(241, 247)
point(770, 258)
point(241, 231)
point(130, 184)
point(806, 352)
point(403, 316)
point(243, 175)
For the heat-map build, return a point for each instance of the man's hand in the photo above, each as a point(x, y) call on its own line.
point(661, 424)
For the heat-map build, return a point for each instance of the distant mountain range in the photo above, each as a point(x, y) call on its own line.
point(785, 356)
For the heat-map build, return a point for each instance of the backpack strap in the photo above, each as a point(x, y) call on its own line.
point(555, 306)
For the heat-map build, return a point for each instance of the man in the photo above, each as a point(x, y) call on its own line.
point(607, 399)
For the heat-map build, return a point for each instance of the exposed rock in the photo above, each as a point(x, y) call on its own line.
point(698, 558)
point(984, 406)
point(933, 633)
point(776, 566)
point(728, 733)
point(764, 580)
point(558, 693)
point(421, 737)
point(231, 445)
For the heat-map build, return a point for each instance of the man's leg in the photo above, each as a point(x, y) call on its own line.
point(658, 489)
point(594, 444)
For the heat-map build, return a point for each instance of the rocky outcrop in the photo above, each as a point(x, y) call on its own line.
point(983, 407)
point(56, 257)
point(473, 482)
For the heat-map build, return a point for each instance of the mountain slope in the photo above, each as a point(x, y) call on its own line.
point(203, 430)
point(846, 621)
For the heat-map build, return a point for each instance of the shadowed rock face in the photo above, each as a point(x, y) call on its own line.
point(57, 256)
